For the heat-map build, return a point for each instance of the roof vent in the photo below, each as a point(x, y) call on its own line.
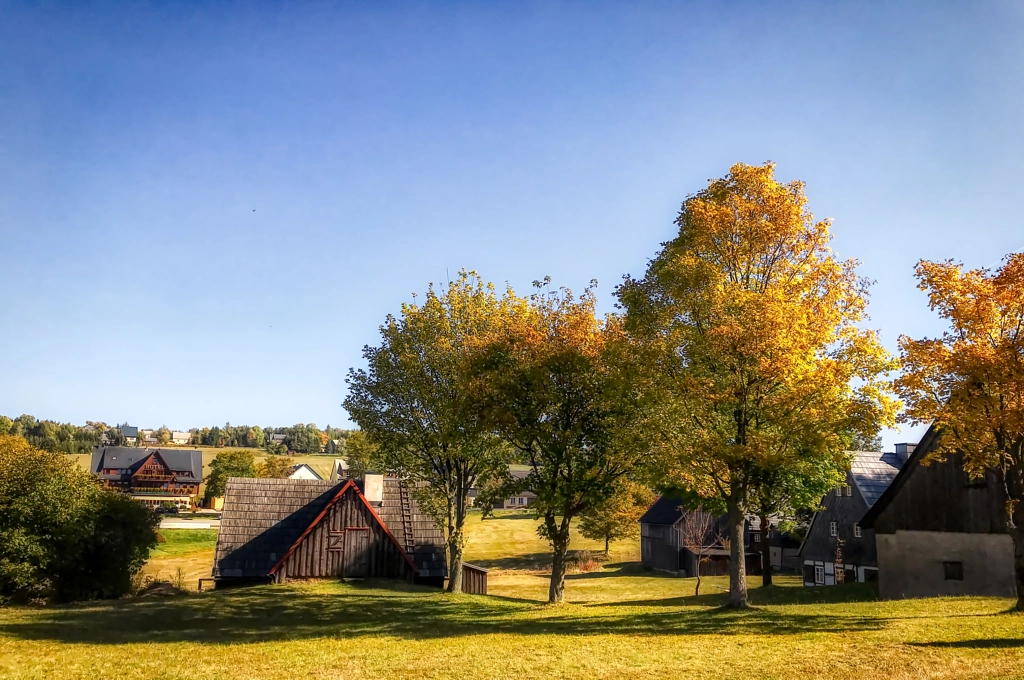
point(904, 451)
point(373, 488)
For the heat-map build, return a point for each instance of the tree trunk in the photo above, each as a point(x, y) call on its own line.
point(696, 591)
point(1015, 487)
point(559, 536)
point(606, 541)
point(457, 537)
point(737, 557)
point(766, 553)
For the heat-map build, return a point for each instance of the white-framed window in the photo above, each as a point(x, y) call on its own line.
point(857, 531)
point(833, 529)
point(757, 537)
point(849, 490)
point(819, 574)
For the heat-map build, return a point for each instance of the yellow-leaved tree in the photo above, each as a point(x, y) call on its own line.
point(970, 381)
point(753, 325)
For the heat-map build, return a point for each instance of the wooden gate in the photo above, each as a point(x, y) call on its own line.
point(356, 557)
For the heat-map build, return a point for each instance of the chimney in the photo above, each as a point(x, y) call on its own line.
point(373, 488)
point(904, 451)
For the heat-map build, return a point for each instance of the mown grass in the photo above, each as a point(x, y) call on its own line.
point(191, 550)
point(620, 622)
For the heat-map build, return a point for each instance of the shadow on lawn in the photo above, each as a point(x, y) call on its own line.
point(994, 643)
point(272, 613)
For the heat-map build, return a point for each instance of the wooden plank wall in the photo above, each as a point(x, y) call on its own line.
point(941, 497)
point(474, 579)
point(313, 559)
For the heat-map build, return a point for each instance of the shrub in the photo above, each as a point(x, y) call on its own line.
point(584, 560)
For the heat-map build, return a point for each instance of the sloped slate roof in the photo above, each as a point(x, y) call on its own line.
point(128, 457)
point(873, 472)
point(664, 511)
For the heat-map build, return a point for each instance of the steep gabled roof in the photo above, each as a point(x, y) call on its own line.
point(664, 511)
point(130, 458)
point(927, 444)
point(873, 472)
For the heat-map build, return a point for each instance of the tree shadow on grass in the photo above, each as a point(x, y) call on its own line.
point(993, 643)
point(532, 561)
point(275, 613)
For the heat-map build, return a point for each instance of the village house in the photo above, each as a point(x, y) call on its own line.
point(838, 548)
point(278, 529)
point(303, 471)
point(662, 546)
point(939, 531)
point(151, 476)
point(181, 438)
point(130, 434)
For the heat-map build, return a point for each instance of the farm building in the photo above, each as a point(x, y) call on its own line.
point(662, 548)
point(276, 529)
point(837, 541)
point(303, 471)
point(940, 532)
point(151, 476)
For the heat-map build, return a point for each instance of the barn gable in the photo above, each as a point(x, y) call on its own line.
point(292, 528)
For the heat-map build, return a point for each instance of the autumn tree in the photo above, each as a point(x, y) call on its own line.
point(163, 435)
point(556, 384)
point(697, 535)
point(412, 403)
point(970, 381)
point(275, 467)
point(617, 518)
point(754, 324)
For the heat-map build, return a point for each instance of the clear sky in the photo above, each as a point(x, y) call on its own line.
point(207, 209)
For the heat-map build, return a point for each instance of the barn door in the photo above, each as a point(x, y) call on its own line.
point(357, 553)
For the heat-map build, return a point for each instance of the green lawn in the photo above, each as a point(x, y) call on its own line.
point(621, 622)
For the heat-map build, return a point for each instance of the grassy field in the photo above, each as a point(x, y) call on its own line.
point(621, 622)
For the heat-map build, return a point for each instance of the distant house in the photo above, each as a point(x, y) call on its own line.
point(181, 438)
point(940, 532)
point(339, 470)
point(303, 471)
point(837, 541)
point(130, 434)
point(277, 438)
point(150, 440)
point(277, 529)
point(152, 476)
point(662, 548)
point(524, 498)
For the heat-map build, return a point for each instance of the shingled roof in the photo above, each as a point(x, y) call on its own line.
point(873, 472)
point(264, 518)
point(130, 458)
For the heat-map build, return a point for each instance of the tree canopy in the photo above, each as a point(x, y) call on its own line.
point(970, 381)
point(754, 329)
point(229, 464)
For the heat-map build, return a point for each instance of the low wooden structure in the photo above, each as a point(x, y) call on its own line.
point(277, 529)
point(474, 579)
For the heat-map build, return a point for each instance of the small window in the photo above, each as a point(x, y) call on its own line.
point(954, 571)
point(819, 574)
point(757, 537)
point(857, 532)
point(833, 529)
point(849, 490)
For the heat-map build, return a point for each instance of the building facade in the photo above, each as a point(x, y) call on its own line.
point(150, 476)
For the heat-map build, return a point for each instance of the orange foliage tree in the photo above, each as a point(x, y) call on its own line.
point(753, 324)
point(970, 381)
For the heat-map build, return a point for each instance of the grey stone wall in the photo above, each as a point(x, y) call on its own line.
point(910, 564)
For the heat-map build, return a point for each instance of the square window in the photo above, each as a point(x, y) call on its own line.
point(819, 574)
point(833, 529)
point(857, 531)
point(954, 571)
point(757, 538)
point(849, 490)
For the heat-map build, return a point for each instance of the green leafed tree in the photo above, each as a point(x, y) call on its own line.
point(226, 465)
point(275, 467)
point(411, 402)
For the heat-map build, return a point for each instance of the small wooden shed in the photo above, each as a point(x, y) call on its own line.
point(474, 579)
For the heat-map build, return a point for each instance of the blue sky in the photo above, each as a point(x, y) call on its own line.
point(207, 209)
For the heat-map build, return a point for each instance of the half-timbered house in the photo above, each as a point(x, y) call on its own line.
point(939, 531)
point(151, 476)
point(838, 548)
point(280, 529)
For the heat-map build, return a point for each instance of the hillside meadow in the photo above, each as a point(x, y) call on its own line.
point(620, 621)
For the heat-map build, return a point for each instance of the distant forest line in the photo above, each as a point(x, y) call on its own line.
point(51, 435)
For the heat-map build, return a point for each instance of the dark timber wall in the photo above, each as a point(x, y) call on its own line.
point(348, 542)
point(474, 579)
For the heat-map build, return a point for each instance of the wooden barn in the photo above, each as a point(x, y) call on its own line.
point(280, 529)
point(940, 532)
point(662, 549)
point(837, 541)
